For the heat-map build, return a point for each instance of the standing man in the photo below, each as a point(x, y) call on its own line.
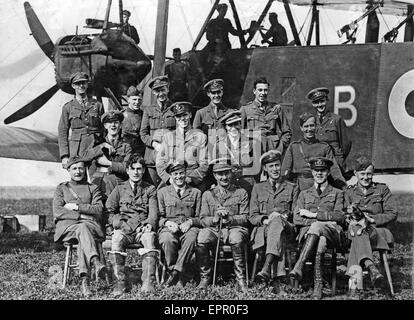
point(178, 74)
point(319, 215)
point(179, 206)
point(207, 118)
point(133, 214)
point(82, 116)
point(132, 121)
point(267, 117)
point(110, 156)
point(157, 120)
point(225, 205)
point(330, 127)
point(77, 210)
point(369, 231)
point(128, 29)
point(276, 32)
point(271, 212)
point(184, 144)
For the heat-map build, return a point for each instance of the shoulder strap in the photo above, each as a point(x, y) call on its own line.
point(215, 198)
point(303, 153)
point(72, 191)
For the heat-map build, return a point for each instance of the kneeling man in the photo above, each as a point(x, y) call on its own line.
point(77, 209)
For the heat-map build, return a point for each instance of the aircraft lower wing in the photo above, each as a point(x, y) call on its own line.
point(20, 143)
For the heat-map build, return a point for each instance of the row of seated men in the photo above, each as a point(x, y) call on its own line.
point(182, 220)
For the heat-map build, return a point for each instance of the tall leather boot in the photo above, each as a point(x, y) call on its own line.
point(149, 263)
point(264, 274)
point(317, 278)
point(100, 268)
point(377, 279)
point(310, 242)
point(118, 261)
point(203, 261)
point(239, 266)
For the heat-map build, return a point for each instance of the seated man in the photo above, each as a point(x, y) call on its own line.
point(179, 206)
point(133, 213)
point(223, 206)
point(319, 215)
point(77, 209)
point(184, 144)
point(367, 230)
point(271, 212)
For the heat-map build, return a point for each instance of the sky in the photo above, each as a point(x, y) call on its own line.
point(25, 72)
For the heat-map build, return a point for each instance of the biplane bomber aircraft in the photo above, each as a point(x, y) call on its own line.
point(371, 84)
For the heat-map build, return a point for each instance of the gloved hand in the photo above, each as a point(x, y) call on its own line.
point(172, 226)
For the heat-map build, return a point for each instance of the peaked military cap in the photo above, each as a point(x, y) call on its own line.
point(74, 159)
point(221, 164)
point(78, 77)
point(179, 108)
point(133, 91)
point(222, 6)
point(112, 115)
point(126, 12)
point(215, 84)
point(362, 163)
point(176, 165)
point(270, 156)
point(320, 163)
point(317, 93)
point(158, 82)
point(230, 117)
point(305, 116)
point(272, 14)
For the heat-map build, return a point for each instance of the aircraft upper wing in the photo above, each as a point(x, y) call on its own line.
point(392, 7)
point(19, 143)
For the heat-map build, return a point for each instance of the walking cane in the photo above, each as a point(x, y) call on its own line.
point(217, 251)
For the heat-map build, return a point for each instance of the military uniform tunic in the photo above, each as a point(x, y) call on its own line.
point(84, 120)
point(375, 203)
point(236, 201)
point(83, 225)
point(128, 212)
point(206, 118)
point(332, 130)
point(131, 126)
point(178, 247)
point(295, 165)
point(155, 124)
point(271, 121)
point(330, 217)
point(191, 147)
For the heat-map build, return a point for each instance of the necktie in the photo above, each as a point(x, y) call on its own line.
point(274, 187)
point(179, 193)
point(135, 189)
point(318, 190)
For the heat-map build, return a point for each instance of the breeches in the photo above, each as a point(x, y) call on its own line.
point(231, 236)
point(121, 239)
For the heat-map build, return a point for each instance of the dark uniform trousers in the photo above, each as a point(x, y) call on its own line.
point(131, 126)
point(128, 212)
point(295, 165)
point(280, 231)
point(272, 123)
point(330, 216)
point(69, 224)
point(178, 247)
point(375, 203)
point(236, 201)
point(155, 124)
point(84, 120)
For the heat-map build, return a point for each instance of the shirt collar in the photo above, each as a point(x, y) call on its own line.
point(322, 186)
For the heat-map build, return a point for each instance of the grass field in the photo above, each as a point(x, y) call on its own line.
point(25, 259)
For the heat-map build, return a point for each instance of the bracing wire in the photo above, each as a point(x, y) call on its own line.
point(185, 21)
point(26, 84)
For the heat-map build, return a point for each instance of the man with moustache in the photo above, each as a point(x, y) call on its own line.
point(131, 124)
point(179, 206)
point(110, 156)
point(207, 118)
point(271, 213)
point(320, 217)
point(228, 204)
point(157, 120)
point(269, 118)
point(371, 232)
point(82, 116)
point(133, 214)
point(77, 211)
point(184, 144)
point(330, 127)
